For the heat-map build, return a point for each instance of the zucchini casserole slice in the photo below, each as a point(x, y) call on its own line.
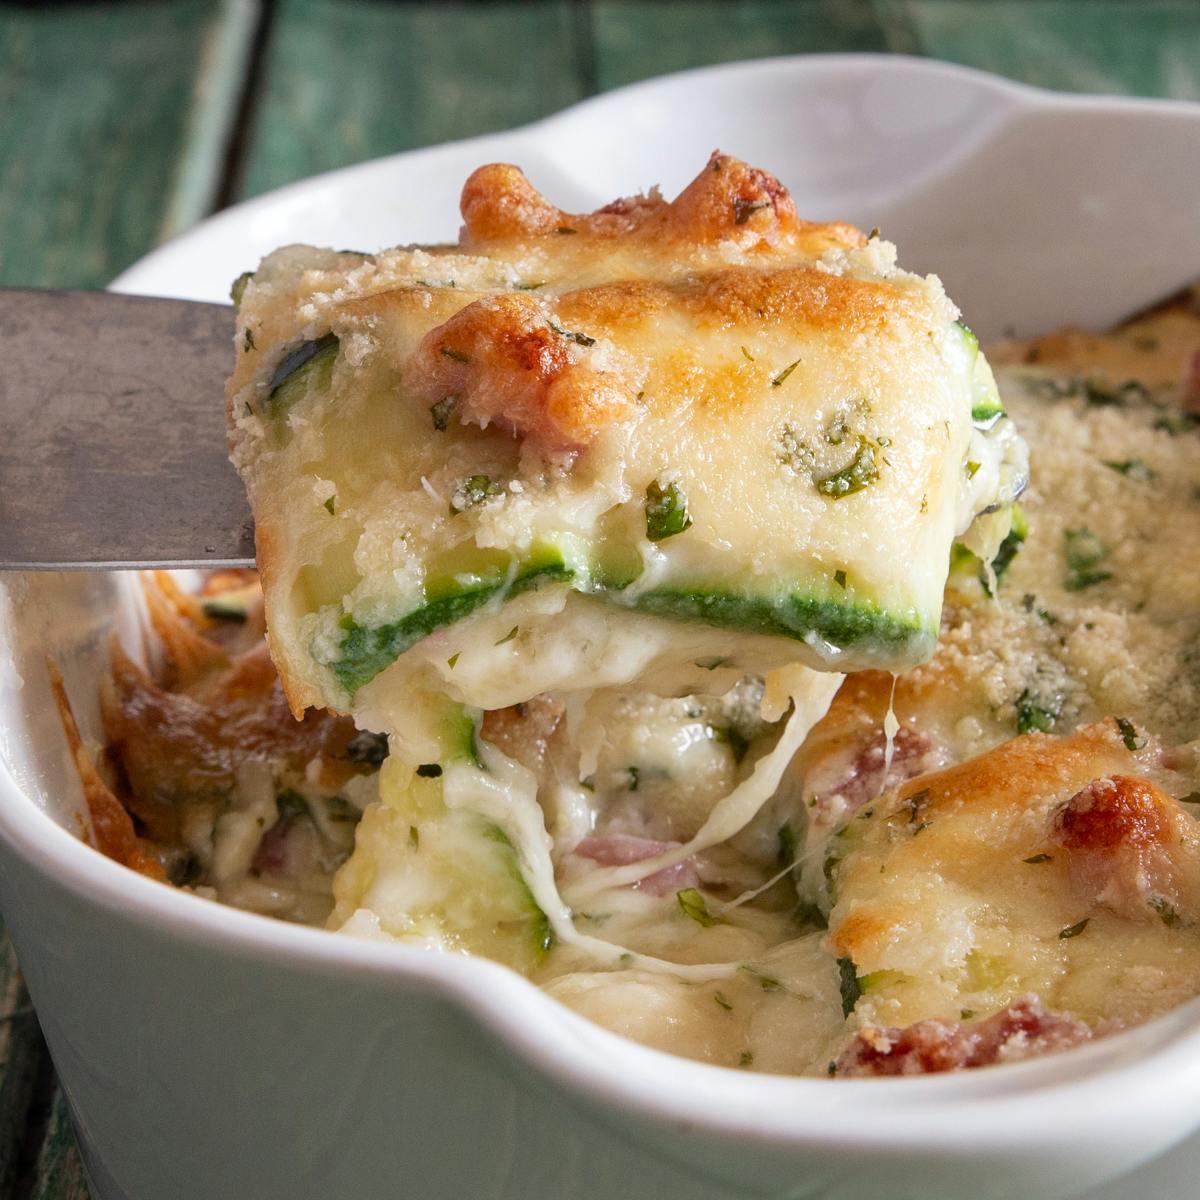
point(594, 507)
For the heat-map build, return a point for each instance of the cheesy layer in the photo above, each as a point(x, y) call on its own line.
point(660, 435)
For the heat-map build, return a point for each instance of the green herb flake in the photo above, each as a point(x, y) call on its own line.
point(1129, 735)
point(1175, 423)
point(747, 355)
point(1134, 468)
point(851, 990)
point(860, 474)
point(1038, 858)
point(248, 340)
point(666, 511)
point(972, 469)
point(1008, 549)
point(442, 411)
point(455, 355)
point(452, 661)
point(508, 637)
point(430, 771)
point(831, 1070)
point(580, 339)
point(711, 664)
point(1036, 715)
point(768, 983)
point(238, 288)
point(1190, 798)
point(1084, 552)
point(721, 1002)
point(839, 577)
point(414, 837)
point(966, 1013)
point(473, 490)
point(743, 210)
point(531, 287)
point(692, 904)
point(331, 506)
point(1166, 911)
point(745, 1059)
point(778, 380)
point(565, 229)
point(1073, 931)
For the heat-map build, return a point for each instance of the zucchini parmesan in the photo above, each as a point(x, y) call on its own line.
point(643, 441)
point(652, 589)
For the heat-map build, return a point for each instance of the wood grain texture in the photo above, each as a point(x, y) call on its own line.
point(100, 134)
point(347, 80)
point(1134, 47)
point(634, 39)
point(59, 1169)
point(20, 1055)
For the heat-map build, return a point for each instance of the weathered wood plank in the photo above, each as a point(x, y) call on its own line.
point(1138, 47)
point(59, 1170)
point(20, 1054)
point(634, 39)
point(346, 81)
point(115, 118)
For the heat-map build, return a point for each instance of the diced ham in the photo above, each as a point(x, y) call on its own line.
point(1023, 1030)
point(620, 849)
point(1119, 836)
point(863, 777)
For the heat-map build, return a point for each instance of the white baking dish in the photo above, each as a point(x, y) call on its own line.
point(210, 1053)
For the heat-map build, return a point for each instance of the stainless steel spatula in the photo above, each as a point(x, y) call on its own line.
point(112, 434)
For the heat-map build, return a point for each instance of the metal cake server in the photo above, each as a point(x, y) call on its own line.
point(112, 434)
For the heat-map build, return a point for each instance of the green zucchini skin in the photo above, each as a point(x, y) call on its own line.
point(307, 361)
point(840, 625)
point(366, 651)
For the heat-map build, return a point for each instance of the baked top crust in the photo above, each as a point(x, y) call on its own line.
point(707, 414)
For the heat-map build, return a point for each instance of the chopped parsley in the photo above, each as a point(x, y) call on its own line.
point(746, 353)
point(508, 637)
point(666, 511)
point(580, 339)
point(238, 288)
point(473, 490)
point(442, 411)
point(1008, 549)
point(859, 474)
point(1134, 468)
point(635, 778)
point(711, 664)
point(850, 987)
point(1177, 422)
point(331, 506)
point(1129, 735)
point(1035, 714)
point(291, 804)
point(839, 577)
point(1038, 858)
point(721, 1002)
point(1075, 930)
point(743, 210)
point(1166, 911)
point(1084, 552)
point(692, 904)
point(248, 340)
point(745, 1059)
point(778, 380)
point(768, 983)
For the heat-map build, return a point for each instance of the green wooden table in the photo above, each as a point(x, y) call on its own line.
point(124, 124)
